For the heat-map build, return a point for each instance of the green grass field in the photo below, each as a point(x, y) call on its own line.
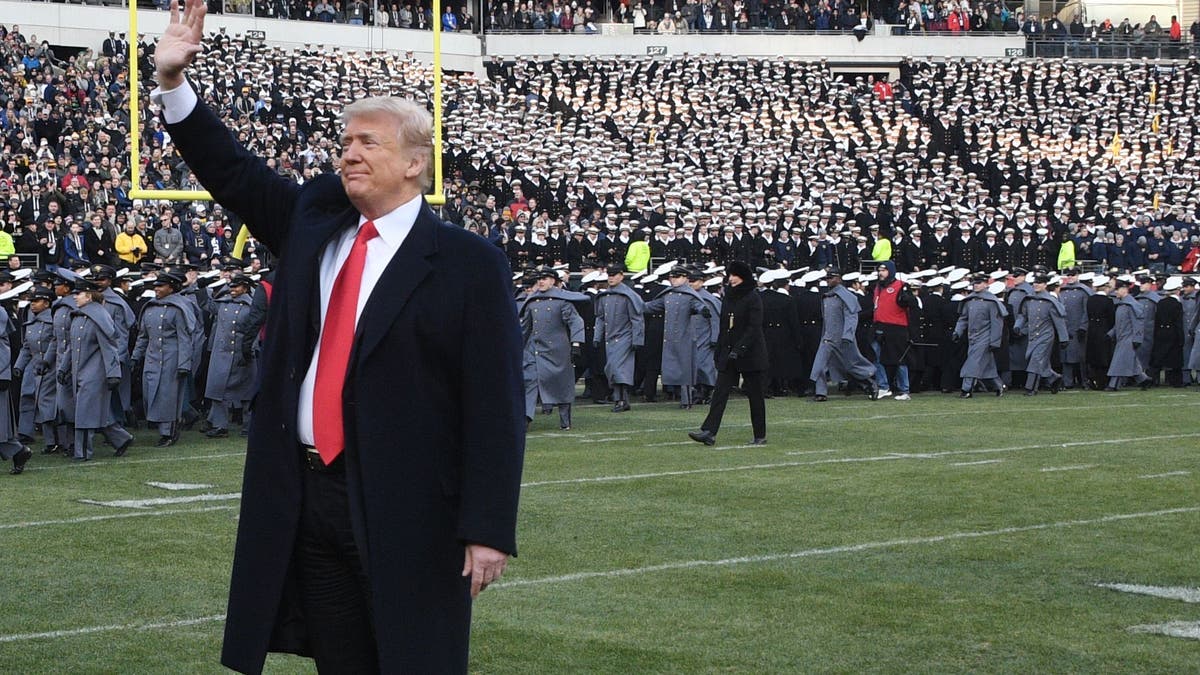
point(934, 535)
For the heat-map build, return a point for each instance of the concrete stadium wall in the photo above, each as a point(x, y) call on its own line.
point(842, 48)
point(87, 26)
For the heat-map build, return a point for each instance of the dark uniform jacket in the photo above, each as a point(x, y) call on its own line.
point(740, 343)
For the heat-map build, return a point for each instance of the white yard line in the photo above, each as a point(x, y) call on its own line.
point(682, 565)
point(955, 411)
point(890, 457)
point(1180, 629)
point(1184, 593)
point(1074, 467)
point(813, 452)
point(978, 463)
point(72, 632)
point(1167, 474)
point(833, 550)
point(111, 516)
point(163, 501)
point(607, 439)
point(56, 464)
point(179, 486)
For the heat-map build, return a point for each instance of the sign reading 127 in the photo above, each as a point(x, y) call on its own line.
point(656, 50)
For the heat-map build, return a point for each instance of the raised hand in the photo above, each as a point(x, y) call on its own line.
point(180, 43)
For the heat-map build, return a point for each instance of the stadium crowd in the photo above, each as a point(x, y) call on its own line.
point(949, 169)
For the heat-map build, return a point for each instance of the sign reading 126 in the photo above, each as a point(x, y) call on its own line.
point(656, 50)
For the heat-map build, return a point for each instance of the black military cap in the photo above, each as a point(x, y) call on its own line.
point(833, 271)
point(678, 271)
point(615, 269)
point(1122, 283)
point(150, 267)
point(1189, 281)
point(80, 265)
point(6, 277)
point(980, 278)
point(696, 274)
point(241, 280)
point(42, 277)
point(171, 279)
point(81, 285)
point(544, 272)
point(42, 293)
point(103, 272)
point(1019, 271)
point(1041, 278)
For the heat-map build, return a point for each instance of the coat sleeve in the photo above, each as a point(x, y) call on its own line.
point(996, 331)
point(110, 353)
point(185, 340)
point(493, 435)
point(598, 328)
point(237, 179)
point(639, 326)
point(573, 322)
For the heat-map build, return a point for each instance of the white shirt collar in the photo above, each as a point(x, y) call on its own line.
point(395, 225)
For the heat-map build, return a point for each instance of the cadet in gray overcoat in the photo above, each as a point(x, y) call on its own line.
point(838, 356)
point(230, 364)
point(164, 341)
point(1017, 344)
point(1074, 297)
point(1126, 335)
point(621, 329)
point(124, 319)
point(1148, 301)
point(11, 447)
point(1042, 321)
point(36, 361)
point(1191, 310)
point(704, 335)
point(981, 322)
point(553, 332)
point(64, 394)
point(91, 365)
point(678, 303)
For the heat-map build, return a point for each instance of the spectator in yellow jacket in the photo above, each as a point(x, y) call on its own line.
point(637, 258)
point(131, 246)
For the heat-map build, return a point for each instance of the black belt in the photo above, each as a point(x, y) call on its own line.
point(312, 459)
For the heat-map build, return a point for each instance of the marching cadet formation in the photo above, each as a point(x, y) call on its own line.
point(1035, 330)
point(95, 351)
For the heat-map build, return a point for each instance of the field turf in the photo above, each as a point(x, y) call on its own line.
point(934, 535)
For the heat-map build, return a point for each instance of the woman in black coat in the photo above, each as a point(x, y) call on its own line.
point(741, 351)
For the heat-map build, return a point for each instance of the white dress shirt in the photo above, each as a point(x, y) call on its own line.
point(393, 228)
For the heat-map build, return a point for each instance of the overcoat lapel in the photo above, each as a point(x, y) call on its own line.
point(402, 276)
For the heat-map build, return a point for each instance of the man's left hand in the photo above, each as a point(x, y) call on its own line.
point(484, 565)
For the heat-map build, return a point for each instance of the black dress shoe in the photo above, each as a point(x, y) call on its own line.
point(217, 433)
point(702, 437)
point(1110, 389)
point(1000, 391)
point(124, 448)
point(965, 394)
point(1031, 392)
point(165, 441)
point(820, 398)
point(759, 441)
point(621, 406)
point(1146, 384)
point(20, 459)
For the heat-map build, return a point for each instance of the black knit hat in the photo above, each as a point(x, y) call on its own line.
point(739, 269)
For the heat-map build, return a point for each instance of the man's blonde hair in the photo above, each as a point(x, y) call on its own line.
point(414, 125)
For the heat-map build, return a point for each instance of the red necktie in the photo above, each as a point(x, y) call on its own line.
point(337, 338)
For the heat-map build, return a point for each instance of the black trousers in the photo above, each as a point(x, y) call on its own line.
point(753, 388)
point(334, 590)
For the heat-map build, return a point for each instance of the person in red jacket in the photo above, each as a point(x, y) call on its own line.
point(890, 336)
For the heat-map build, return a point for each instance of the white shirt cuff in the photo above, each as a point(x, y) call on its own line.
point(177, 103)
